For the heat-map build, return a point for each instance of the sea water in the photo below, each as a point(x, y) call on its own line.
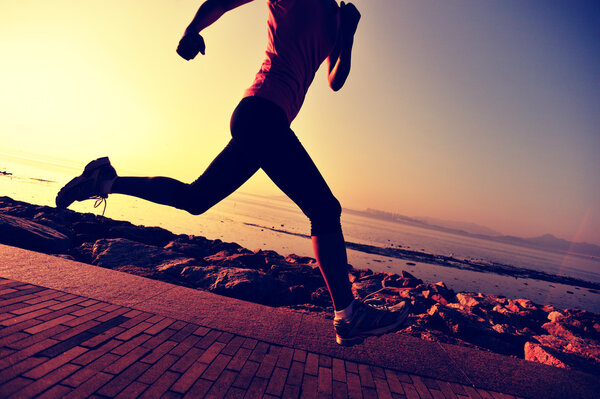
point(250, 220)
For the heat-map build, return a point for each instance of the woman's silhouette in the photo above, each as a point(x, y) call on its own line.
point(302, 34)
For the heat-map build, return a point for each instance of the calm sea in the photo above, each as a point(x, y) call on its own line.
point(237, 217)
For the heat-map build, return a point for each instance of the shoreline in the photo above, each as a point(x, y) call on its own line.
point(451, 262)
point(568, 338)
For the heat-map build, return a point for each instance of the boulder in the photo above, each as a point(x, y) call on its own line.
point(23, 233)
point(146, 235)
point(364, 286)
point(535, 352)
point(321, 297)
point(247, 284)
point(116, 252)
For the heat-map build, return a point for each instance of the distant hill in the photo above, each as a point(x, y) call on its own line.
point(546, 242)
point(467, 227)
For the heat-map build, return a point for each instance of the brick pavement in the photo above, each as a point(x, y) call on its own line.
point(55, 344)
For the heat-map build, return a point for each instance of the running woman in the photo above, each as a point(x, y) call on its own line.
point(301, 35)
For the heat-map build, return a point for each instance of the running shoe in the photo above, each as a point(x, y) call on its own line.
point(369, 320)
point(90, 185)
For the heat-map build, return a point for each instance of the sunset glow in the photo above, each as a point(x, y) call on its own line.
point(473, 111)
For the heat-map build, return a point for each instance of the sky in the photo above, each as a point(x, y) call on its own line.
point(478, 111)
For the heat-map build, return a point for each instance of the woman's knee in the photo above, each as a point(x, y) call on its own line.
point(325, 219)
point(189, 200)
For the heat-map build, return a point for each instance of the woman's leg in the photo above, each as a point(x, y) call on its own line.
point(264, 130)
point(229, 170)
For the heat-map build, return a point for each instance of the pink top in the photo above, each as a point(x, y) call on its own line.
point(302, 34)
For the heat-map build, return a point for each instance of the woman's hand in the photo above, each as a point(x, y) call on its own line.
point(349, 17)
point(190, 45)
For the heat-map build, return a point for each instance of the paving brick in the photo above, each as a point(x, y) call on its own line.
point(18, 319)
point(309, 387)
point(369, 393)
point(403, 377)
point(394, 384)
point(13, 386)
point(160, 386)
point(201, 331)
point(93, 354)
point(439, 395)
point(410, 391)
point(256, 389)
point(325, 361)
point(47, 381)
point(171, 395)
point(158, 339)
point(66, 304)
point(216, 367)
point(211, 353)
point(235, 393)
point(100, 306)
point(19, 327)
point(338, 370)
point(238, 360)
point(133, 331)
point(366, 378)
point(19, 368)
point(324, 381)
point(159, 352)
point(277, 381)
point(56, 392)
point(340, 390)
point(157, 369)
point(101, 338)
point(57, 313)
point(351, 367)
point(44, 296)
point(199, 389)
point(184, 346)
point(14, 337)
point(54, 363)
point(267, 365)
point(208, 339)
point(133, 390)
point(225, 337)
point(186, 360)
point(6, 351)
point(154, 329)
point(458, 388)
point(178, 325)
point(126, 360)
point(382, 388)
point(117, 312)
point(36, 306)
point(295, 374)
point(246, 375)
point(249, 343)
point(84, 374)
point(312, 364)
point(125, 377)
point(127, 346)
point(25, 353)
point(291, 392)
point(299, 355)
point(90, 386)
point(221, 386)
point(354, 388)
point(446, 389)
point(184, 333)
point(421, 387)
point(183, 384)
point(84, 319)
point(48, 324)
point(472, 392)
point(259, 352)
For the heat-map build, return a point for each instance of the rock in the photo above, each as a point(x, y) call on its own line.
point(146, 235)
point(321, 297)
point(247, 284)
point(23, 233)
point(555, 316)
point(199, 277)
point(363, 287)
point(174, 267)
point(537, 353)
point(195, 247)
point(467, 299)
point(293, 258)
point(117, 252)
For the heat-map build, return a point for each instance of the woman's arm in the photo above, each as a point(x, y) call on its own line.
point(211, 10)
point(339, 60)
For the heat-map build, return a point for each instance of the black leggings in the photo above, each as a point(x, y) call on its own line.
point(261, 138)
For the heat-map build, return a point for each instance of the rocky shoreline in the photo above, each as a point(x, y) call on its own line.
point(568, 338)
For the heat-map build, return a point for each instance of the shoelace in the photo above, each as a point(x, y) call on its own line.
point(370, 300)
point(100, 200)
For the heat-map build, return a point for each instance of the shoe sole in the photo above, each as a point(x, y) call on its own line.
point(358, 339)
point(89, 168)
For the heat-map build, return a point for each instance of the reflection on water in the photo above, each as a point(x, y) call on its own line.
point(38, 181)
